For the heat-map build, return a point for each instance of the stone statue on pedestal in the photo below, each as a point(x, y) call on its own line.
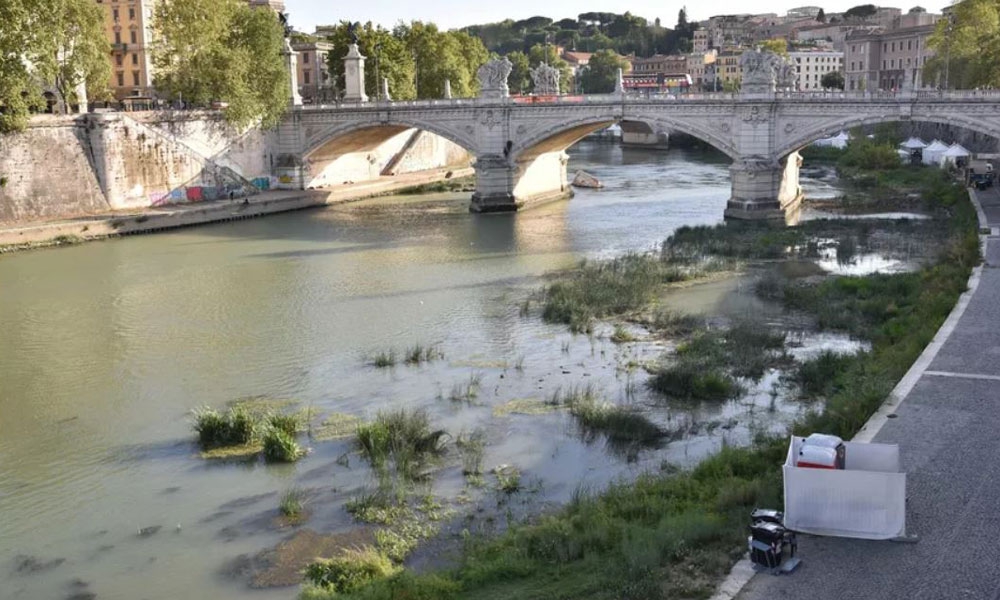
point(493, 78)
point(759, 71)
point(546, 80)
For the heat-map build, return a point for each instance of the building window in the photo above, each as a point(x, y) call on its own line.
point(118, 37)
point(114, 14)
point(131, 14)
point(852, 49)
point(118, 59)
point(909, 44)
point(885, 47)
point(883, 64)
point(305, 58)
point(121, 79)
point(135, 77)
point(894, 46)
point(135, 59)
point(305, 77)
point(132, 37)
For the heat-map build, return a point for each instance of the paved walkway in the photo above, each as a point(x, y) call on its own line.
point(948, 430)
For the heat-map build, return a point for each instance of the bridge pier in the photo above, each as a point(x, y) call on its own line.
point(765, 188)
point(504, 187)
point(495, 178)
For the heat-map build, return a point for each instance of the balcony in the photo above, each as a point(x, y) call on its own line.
point(119, 47)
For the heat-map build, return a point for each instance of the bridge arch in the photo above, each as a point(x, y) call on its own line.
point(801, 139)
point(357, 150)
point(387, 123)
point(561, 135)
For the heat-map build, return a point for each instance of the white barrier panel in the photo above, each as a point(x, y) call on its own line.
point(866, 499)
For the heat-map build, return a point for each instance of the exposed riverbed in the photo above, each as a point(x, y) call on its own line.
point(106, 347)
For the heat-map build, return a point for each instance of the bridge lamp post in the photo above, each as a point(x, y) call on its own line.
point(378, 78)
point(947, 55)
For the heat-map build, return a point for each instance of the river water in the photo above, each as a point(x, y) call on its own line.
point(106, 348)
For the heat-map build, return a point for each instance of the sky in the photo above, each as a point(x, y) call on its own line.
point(449, 14)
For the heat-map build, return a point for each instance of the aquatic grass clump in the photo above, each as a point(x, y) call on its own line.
point(618, 423)
point(289, 424)
point(349, 571)
point(419, 353)
point(600, 289)
point(673, 324)
point(691, 380)
point(281, 447)
point(292, 503)
point(384, 359)
point(508, 478)
point(234, 428)
point(820, 377)
point(472, 446)
point(467, 391)
point(401, 440)
point(621, 335)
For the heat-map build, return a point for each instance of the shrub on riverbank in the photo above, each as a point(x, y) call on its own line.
point(349, 571)
point(619, 424)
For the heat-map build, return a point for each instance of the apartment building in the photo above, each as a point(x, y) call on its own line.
point(697, 65)
point(811, 66)
point(128, 25)
point(313, 76)
point(887, 60)
point(659, 64)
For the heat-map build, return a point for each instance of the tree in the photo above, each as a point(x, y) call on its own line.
point(48, 43)
point(967, 47)
point(454, 56)
point(601, 73)
point(861, 12)
point(832, 80)
point(519, 80)
point(388, 56)
point(222, 50)
point(777, 45)
point(572, 24)
point(821, 16)
point(82, 50)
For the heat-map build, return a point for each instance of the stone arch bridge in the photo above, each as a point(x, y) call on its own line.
point(519, 146)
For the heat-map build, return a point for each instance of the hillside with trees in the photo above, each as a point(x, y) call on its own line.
point(588, 32)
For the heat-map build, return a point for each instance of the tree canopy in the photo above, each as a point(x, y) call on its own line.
point(54, 44)
point(417, 58)
point(222, 50)
point(589, 32)
point(601, 72)
point(967, 49)
point(834, 80)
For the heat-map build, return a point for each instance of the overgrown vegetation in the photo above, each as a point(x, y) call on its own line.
point(706, 364)
point(613, 287)
point(677, 534)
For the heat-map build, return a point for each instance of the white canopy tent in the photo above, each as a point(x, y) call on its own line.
point(837, 141)
point(914, 143)
point(953, 154)
point(933, 153)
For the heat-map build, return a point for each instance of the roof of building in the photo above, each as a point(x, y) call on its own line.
point(577, 57)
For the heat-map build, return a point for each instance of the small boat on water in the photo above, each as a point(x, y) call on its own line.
point(586, 180)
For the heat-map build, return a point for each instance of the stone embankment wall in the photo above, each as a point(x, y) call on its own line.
point(73, 166)
point(48, 172)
